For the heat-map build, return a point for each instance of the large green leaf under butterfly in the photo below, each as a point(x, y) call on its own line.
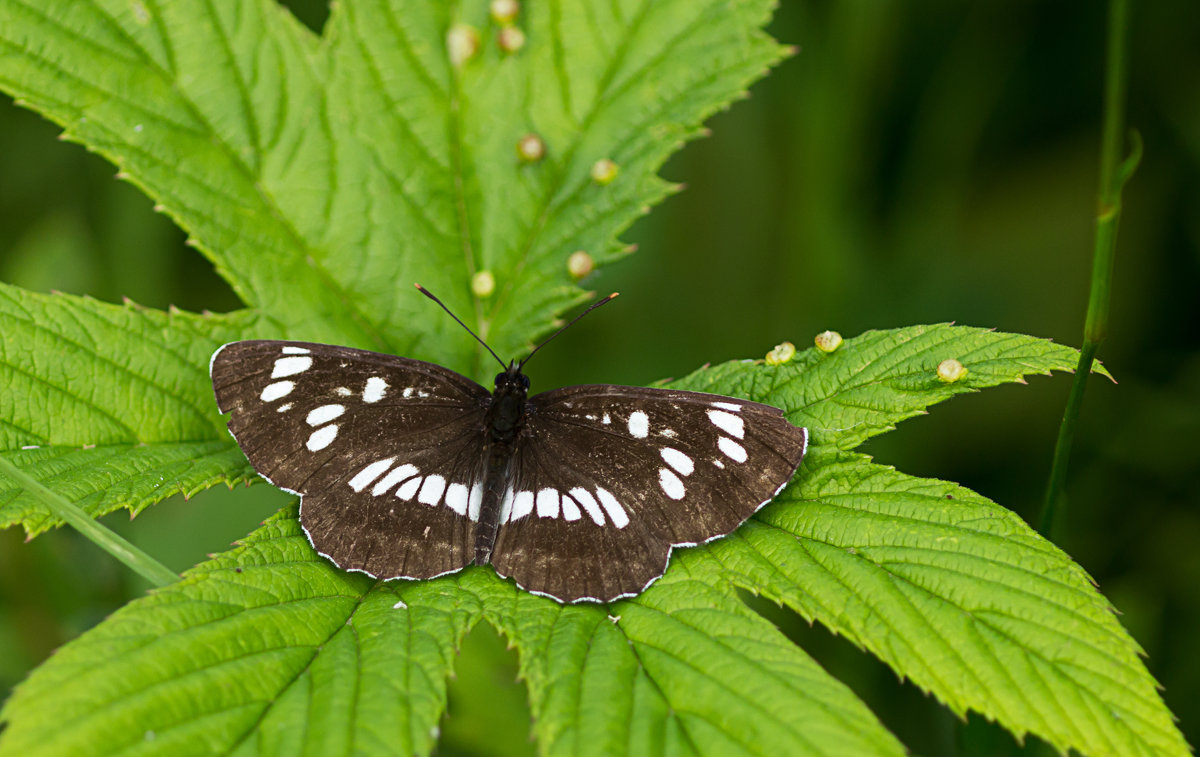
point(873, 554)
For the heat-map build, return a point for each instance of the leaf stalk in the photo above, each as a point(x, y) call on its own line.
point(1114, 172)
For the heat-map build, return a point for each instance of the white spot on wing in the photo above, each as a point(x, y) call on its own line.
point(728, 406)
point(475, 500)
point(376, 387)
point(277, 390)
point(457, 496)
point(522, 505)
point(364, 477)
point(719, 464)
point(431, 492)
point(613, 508)
point(570, 511)
point(408, 489)
point(728, 422)
point(678, 460)
point(547, 503)
point(403, 473)
point(670, 483)
point(284, 407)
point(324, 414)
point(295, 351)
point(732, 449)
point(639, 424)
point(322, 438)
point(606, 420)
point(585, 498)
point(343, 391)
point(506, 505)
point(290, 366)
point(408, 392)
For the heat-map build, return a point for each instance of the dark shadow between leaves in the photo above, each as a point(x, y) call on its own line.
point(487, 711)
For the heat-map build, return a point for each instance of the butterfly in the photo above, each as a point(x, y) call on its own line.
point(406, 469)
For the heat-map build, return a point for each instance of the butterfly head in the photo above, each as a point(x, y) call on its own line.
point(512, 381)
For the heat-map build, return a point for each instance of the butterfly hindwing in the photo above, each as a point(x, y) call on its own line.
point(397, 461)
point(384, 450)
point(610, 478)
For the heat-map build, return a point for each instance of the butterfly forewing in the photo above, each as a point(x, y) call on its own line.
point(609, 478)
point(397, 462)
point(386, 451)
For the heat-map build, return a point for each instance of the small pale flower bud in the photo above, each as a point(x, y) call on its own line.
point(828, 341)
point(505, 11)
point(950, 371)
point(483, 284)
point(531, 148)
point(510, 39)
point(462, 42)
point(604, 171)
point(580, 264)
point(782, 353)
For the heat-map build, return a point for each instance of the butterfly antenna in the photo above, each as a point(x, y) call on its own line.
point(429, 294)
point(546, 341)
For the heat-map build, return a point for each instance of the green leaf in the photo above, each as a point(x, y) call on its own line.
point(133, 476)
point(956, 593)
point(321, 174)
point(948, 588)
point(266, 649)
point(879, 378)
point(961, 596)
point(317, 169)
point(109, 405)
point(684, 667)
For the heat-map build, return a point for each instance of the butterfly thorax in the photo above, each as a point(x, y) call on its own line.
point(507, 408)
point(504, 420)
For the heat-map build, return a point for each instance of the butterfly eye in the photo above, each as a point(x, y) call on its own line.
point(500, 378)
point(524, 381)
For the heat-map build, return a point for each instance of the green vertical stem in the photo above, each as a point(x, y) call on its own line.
point(1113, 174)
point(140, 562)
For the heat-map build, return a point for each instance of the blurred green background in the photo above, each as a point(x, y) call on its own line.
point(914, 162)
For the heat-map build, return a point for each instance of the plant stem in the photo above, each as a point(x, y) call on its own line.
point(1113, 174)
point(141, 563)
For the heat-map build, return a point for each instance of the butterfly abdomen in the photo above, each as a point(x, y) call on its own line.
point(504, 420)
